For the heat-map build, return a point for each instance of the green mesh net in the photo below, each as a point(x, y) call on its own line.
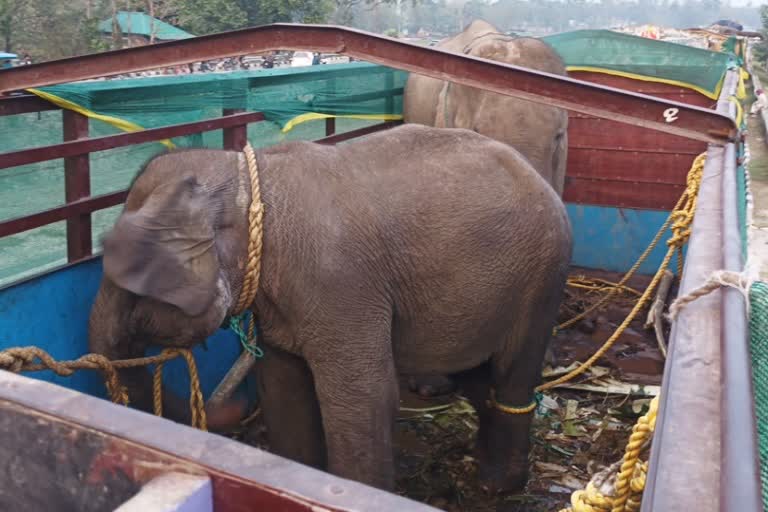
point(758, 333)
point(293, 100)
point(607, 51)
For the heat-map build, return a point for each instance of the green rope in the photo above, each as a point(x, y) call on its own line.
point(236, 324)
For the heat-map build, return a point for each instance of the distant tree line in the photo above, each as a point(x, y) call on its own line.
point(48, 29)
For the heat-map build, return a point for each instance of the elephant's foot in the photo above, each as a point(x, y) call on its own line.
point(429, 386)
point(510, 479)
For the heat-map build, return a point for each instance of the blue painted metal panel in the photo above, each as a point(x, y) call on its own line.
point(613, 238)
point(51, 311)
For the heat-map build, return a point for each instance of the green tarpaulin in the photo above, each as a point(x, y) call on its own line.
point(627, 55)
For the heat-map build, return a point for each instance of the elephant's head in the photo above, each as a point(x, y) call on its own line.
point(170, 262)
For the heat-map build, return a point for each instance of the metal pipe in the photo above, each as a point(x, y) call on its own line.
point(684, 465)
point(537, 86)
point(740, 465)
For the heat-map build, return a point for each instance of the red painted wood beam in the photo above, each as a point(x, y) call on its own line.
point(599, 101)
point(25, 104)
point(92, 204)
point(81, 147)
point(59, 213)
point(77, 185)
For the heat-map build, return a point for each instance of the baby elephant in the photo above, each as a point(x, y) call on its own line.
point(415, 250)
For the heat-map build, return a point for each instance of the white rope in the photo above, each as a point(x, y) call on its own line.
point(741, 281)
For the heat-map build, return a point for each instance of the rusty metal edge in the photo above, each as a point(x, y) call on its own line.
point(576, 95)
point(238, 462)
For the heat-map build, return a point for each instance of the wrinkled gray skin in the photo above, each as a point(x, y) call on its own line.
point(416, 250)
point(539, 132)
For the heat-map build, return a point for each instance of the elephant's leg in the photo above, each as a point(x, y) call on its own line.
point(290, 409)
point(504, 438)
point(356, 384)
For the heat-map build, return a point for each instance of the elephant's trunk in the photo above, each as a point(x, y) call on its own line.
point(109, 335)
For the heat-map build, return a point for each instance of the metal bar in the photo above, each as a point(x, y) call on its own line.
point(740, 487)
point(59, 213)
point(686, 444)
point(77, 185)
point(740, 473)
point(689, 443)
point(81, 147)
point(330, 126)
point(23, 105)
point(341, 137)
point(600, 101)
point(235, 137)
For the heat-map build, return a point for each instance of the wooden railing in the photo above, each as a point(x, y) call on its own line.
point(77, 146)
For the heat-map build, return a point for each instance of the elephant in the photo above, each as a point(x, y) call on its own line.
point(415, 249)
point(539, 132)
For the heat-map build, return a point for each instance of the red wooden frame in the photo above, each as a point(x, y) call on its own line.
point(77, 146)
point(619, 165)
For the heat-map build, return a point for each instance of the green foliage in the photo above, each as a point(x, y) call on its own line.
point(760, 49)
point(13, 15)
point(263, 12)
point(209, 16)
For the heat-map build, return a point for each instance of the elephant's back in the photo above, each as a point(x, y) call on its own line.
point(461, 184)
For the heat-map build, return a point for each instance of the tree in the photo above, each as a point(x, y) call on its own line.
point(208, 16)
point(14, 15)
point(264, 12)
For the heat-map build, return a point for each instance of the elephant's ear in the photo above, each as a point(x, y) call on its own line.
point(165, 250)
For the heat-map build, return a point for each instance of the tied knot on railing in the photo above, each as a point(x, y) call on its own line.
point(33, 359)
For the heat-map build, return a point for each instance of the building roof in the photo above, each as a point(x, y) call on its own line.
point(141, 24)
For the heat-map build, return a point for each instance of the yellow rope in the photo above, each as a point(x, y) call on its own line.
point(598, 285)
point(508, 408)
point(681, 219)
point(28, 359)
point(196, 402)
point(630, 480)
point(255, 230)
point(32, 359)
point(626, 492)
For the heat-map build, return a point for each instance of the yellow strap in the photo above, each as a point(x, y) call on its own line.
point(508, 409)
point(739, 110)
point(121, 124)
point(645, 78)
point(312, 116)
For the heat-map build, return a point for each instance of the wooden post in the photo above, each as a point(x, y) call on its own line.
point(235, 137)
point(330, 126)
point(77, 185)
point(389, 84)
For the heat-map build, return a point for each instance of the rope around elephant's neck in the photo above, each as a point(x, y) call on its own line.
point(255, 233)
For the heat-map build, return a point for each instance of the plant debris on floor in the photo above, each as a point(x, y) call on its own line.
point(578, 429)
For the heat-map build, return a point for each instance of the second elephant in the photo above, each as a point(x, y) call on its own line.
point(539, 132)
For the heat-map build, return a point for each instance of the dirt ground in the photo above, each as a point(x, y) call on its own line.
point(576, 432)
